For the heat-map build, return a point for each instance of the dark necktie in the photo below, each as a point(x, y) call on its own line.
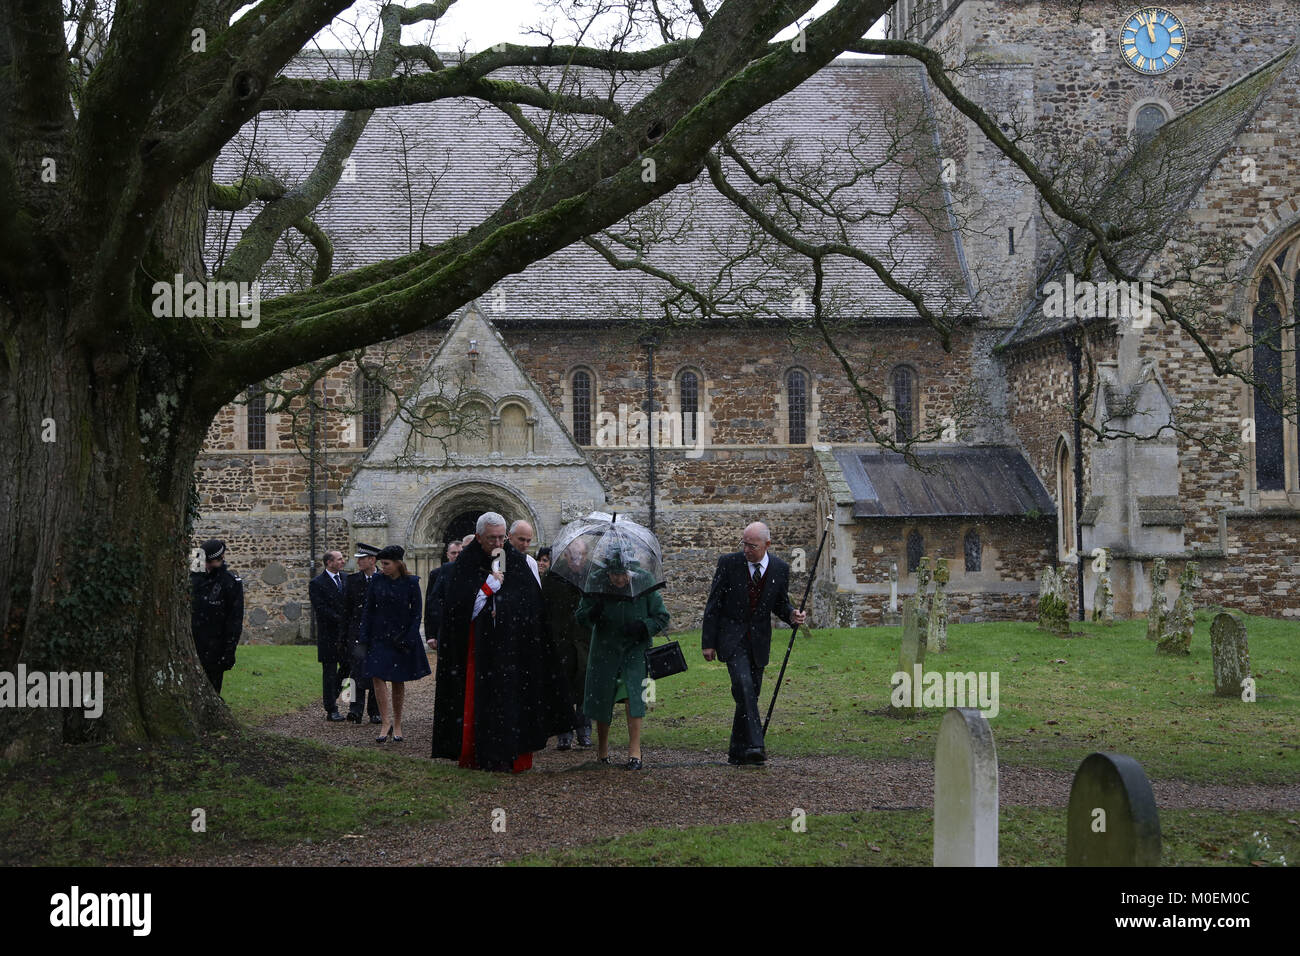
point(337, 583)
point(756, 575)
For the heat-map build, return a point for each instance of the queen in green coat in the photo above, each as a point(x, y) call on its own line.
point(621, 630)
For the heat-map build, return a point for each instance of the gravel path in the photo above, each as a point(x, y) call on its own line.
point(570, 800)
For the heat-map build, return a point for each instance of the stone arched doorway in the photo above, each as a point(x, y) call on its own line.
point(441, 517)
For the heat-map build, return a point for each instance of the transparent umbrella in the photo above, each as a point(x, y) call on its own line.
point(600, 552)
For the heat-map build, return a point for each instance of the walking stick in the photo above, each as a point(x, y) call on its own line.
point(795, 633)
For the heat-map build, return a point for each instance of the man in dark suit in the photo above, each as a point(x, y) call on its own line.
point(354, 601)
point(326, 592)
point(434, 593)
point(748, 588)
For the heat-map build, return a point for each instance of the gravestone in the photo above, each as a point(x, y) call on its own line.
point(1231, 653)
point(922, 595)
point(1179, 627)
point(1053, 610)
point(911, 651)
point(936, 632)
point(1158, 614)
point(965, 791)
point(1112, 820)
point(1103, 597)
point(891, 617)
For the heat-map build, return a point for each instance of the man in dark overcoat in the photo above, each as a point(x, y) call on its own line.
point(498, 692)
point(217, 612)
point(354, 601)
point(748, 587)
point(335, 657)
point(434, 594)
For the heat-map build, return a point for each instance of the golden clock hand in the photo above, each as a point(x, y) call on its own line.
point(1151, 30)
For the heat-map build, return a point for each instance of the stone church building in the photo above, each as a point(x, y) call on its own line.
point(752, 415)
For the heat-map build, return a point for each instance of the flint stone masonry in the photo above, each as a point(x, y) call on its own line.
point(1112, 817)
point(1231, 653)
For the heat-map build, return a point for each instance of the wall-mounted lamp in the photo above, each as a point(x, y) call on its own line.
point(473, 355)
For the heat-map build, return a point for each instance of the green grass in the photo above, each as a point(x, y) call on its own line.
point(1113, 692)
point(1027, 837)
point(96, 805)
point(269, 680)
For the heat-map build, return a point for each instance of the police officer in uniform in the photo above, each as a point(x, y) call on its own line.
point(217, 617)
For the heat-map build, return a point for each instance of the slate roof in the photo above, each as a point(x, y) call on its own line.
point(985, 480)
point(477, 157)
point(1178, 160)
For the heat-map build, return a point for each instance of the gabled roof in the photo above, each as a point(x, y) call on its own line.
point(429, 172)
point(958, 481)
point(1176, 163)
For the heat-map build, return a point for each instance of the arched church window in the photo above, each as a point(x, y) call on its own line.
point(688, 388)
point(256, 416)
point(796, 397)
point(973, 549)
point(514, 430)
point(1066, 528)
point(906, 403)
point(915, 550)
point(1150, 117)
point(473, 437)
point(1270, 442)
point(372, 407)
point(582, 396)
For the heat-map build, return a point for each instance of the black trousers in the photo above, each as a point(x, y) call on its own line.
point(331, 682)
point(746, 682)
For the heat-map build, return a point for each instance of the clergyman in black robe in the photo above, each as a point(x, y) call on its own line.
point(511, 689)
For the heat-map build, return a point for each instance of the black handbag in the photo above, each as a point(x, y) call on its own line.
point(665, 660)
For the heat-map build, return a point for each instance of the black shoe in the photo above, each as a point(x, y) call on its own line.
point(734, 760)
point(354, 718)
point(604, 760)
point(633, 764)
point(376, 719)
point(383, 738)
point(564, 742)
point(335, 717)
point(755, 755)
point(584, 738)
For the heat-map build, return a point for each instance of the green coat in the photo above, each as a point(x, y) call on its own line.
point(615, 664)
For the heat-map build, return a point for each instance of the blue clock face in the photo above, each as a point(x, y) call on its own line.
point(1153, 40)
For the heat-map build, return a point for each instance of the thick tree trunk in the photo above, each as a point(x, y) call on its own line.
point(97, 470)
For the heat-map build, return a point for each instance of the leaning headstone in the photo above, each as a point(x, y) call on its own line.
point(1053, 610)
point(1231, 653)
point(911, 652)
point(1158, 614)
point(1177, 638)
point(1112, 818)
point(965, 791)
point(936, 631)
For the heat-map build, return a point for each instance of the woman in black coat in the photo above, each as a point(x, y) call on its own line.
point(390, 632)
